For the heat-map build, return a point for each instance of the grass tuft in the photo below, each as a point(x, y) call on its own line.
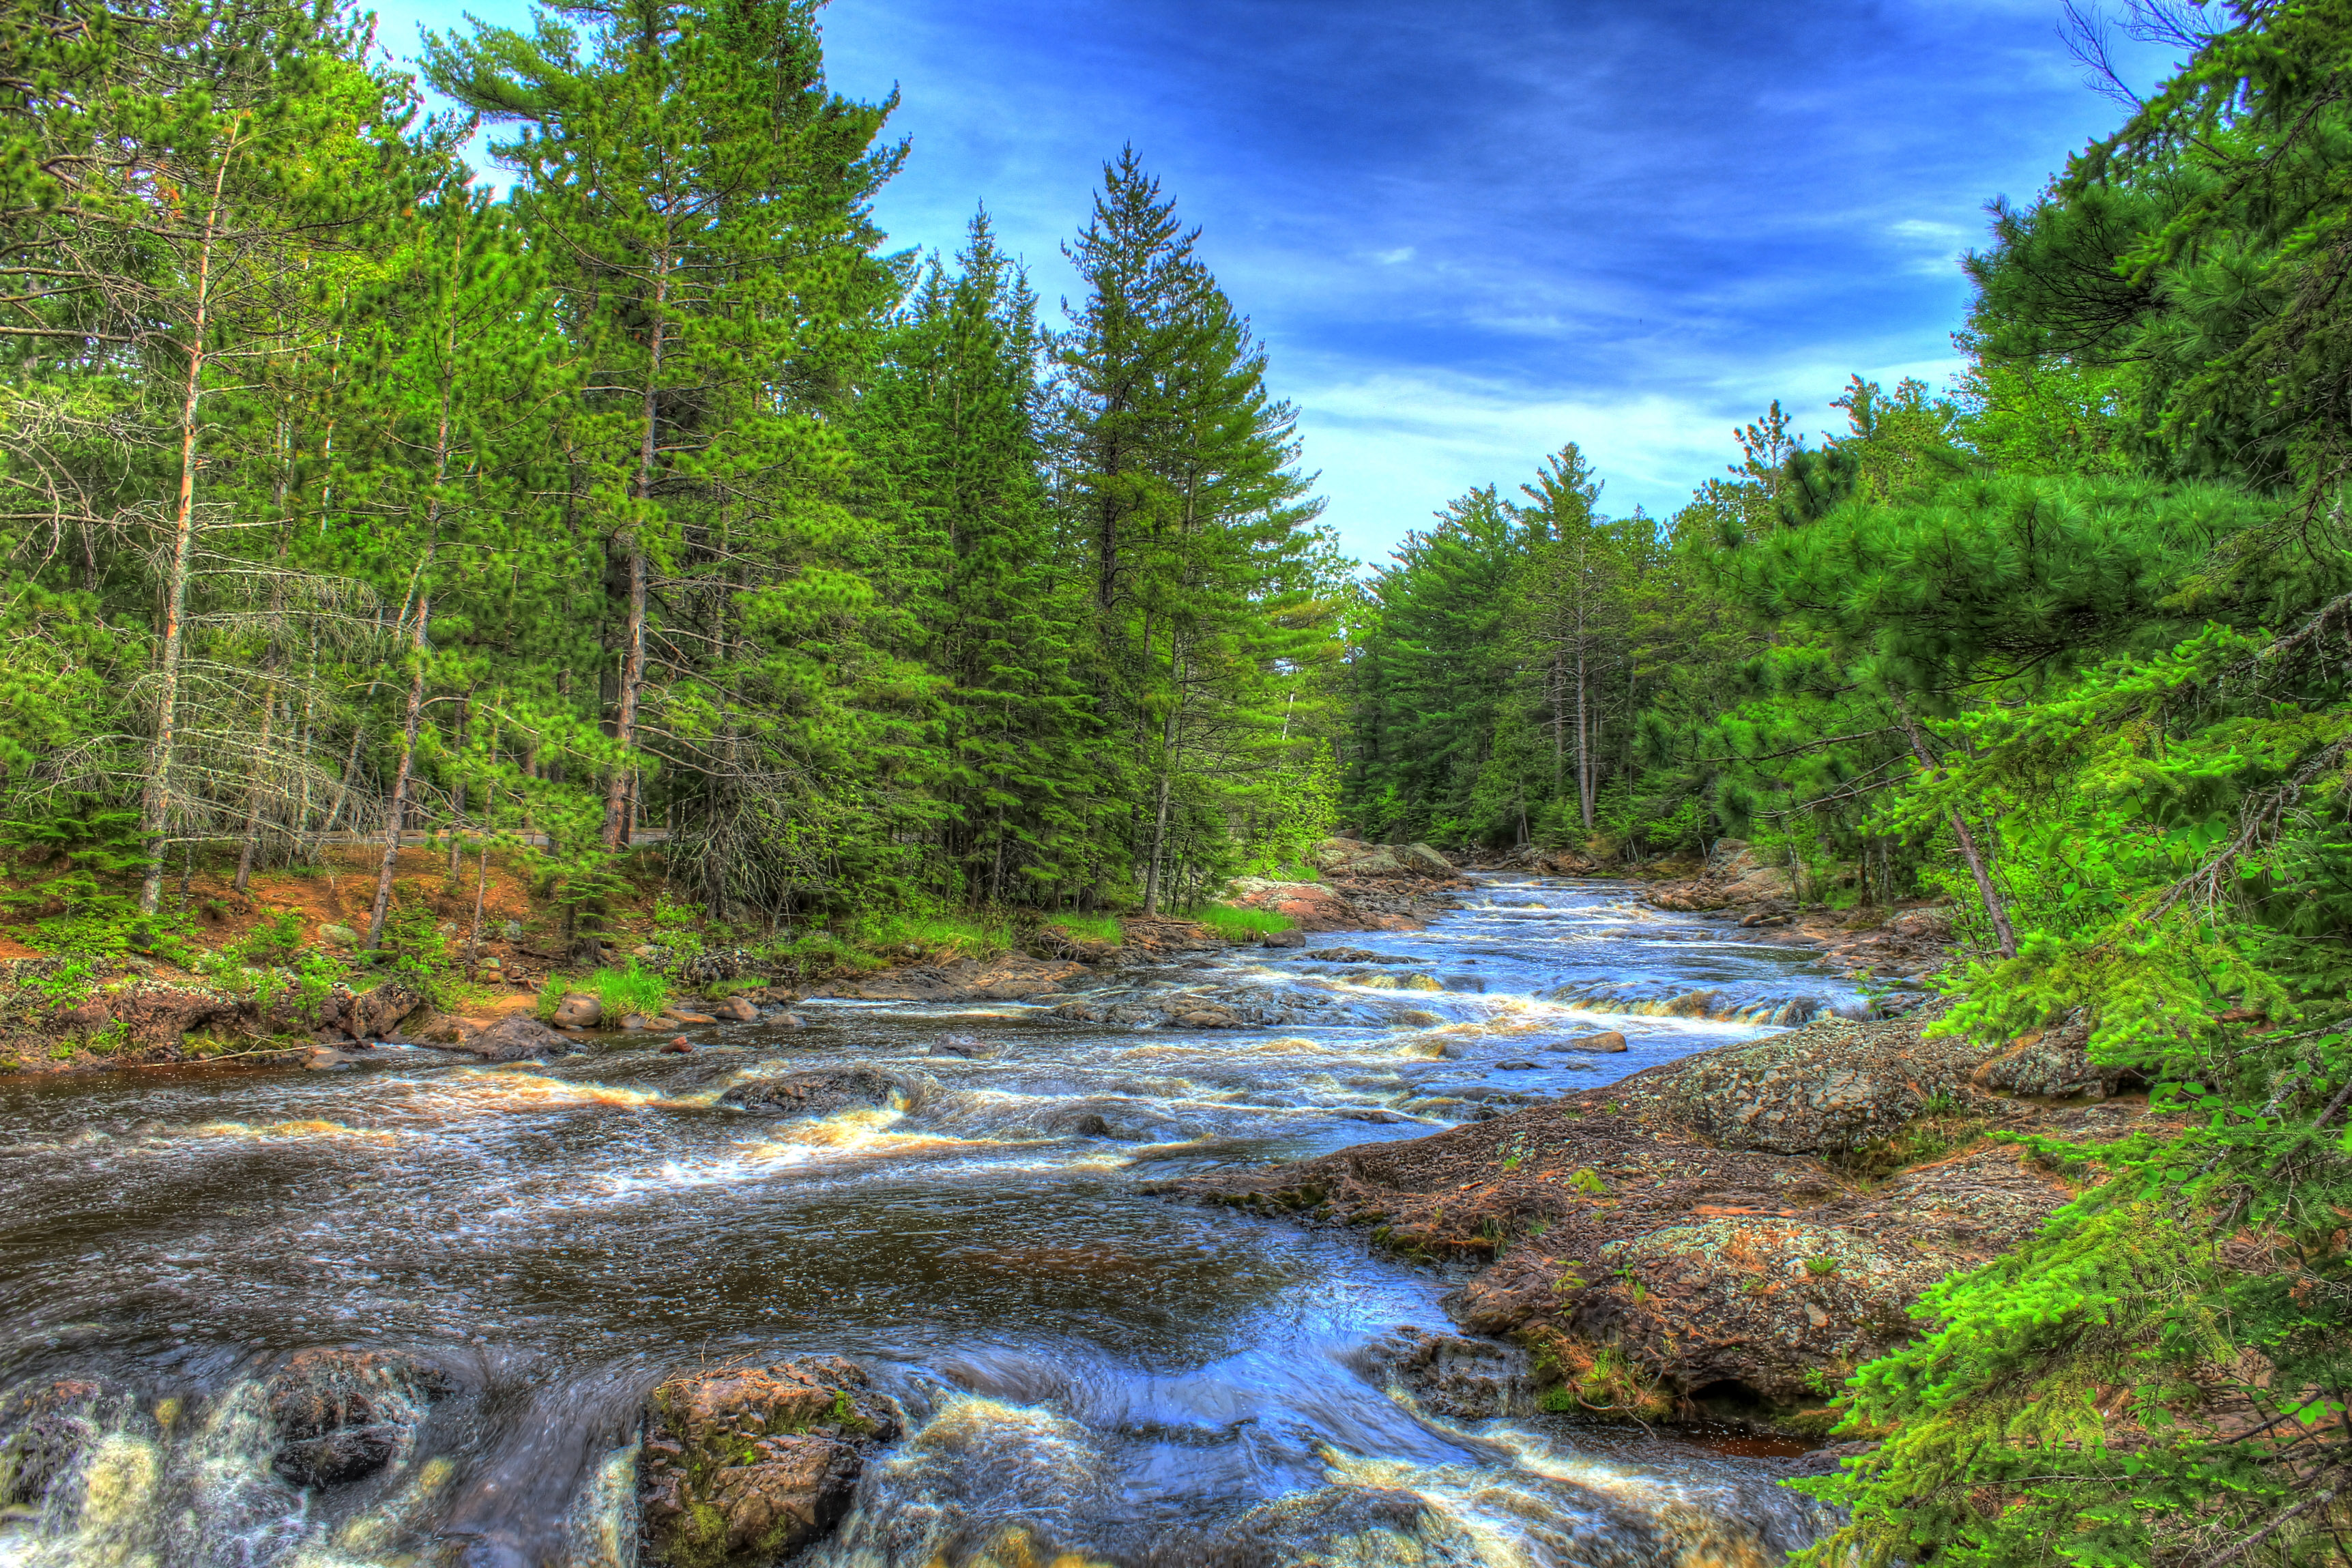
point(1091, 928)
point(635, 989)
point(1240, 925)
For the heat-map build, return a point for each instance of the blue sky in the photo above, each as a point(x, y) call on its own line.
point(1469, 233)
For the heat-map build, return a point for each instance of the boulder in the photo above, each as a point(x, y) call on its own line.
point(1829, 1087)
point(579, 1010)
point(339, 936)
point(1732, 858)
point(691, 1019)
point(745, 1465)
point(512, 1038)
point(735, 1010)
point(344, 1414)
point(1763, 883)
point(1607, 1042)
point(2051, 1064)
point(782, 1019)
point(44, 1429)
point(1448, 1376)
point(638, 1023)
point(379, 1013)
point(822, 1091)
point(1422, 857)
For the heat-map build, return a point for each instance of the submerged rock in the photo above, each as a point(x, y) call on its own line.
point(344, 1414)
point(1448, 1376)
point(822, 1091)
point(513, 1038)
point(43, 1431)
point(744, 1465)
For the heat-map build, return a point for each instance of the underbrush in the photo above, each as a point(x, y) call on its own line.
point(1943, 1127)
point(1240, 925)
point(1598, 1380)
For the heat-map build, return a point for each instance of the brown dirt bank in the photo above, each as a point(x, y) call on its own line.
point(1728, 1235)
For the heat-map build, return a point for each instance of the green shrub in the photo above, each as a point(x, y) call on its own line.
point(635, 989)
point(550, 997)
point(947, 935)
point(1240, 925)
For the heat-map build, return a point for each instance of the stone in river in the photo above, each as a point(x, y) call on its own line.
point(1515, 1066)
point(512, 1038)
point(344, 1414)
point(579, 1011)
point(638, 1022)
point(735, 1010)
point(745, 1465)
point(680, 1015)
point(1606, 1041)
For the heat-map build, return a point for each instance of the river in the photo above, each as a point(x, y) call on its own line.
point(1093, 1374)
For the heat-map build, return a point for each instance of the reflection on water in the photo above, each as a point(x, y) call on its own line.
point(1094, 1371)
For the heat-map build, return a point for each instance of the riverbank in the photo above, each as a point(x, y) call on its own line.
point(1725, 1236)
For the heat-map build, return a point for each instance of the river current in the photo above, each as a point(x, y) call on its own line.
point(1093, 1374)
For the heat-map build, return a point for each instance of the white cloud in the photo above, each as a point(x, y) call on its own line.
point(1402, 253)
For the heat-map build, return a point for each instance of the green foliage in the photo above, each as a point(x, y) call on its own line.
point(622, 991)
point(1091, 927)
point(940, 936)
point(1236, 924)
point(552, 991)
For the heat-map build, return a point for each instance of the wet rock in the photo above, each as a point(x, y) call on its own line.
point(822, 1091)
point(344, 1414)
point(783, 1019)
point(579, 1010)
point(1343, 1525)
point(327, 1058)
point(1448, 1376)
point(1208, 1018)
point(690, 1019)
point(680, 1047)
point(744, 1465)
point(638, 1023)
point(969, 1047)
point(513, 1038)
point(1515, 1066)
point(43, 1431)
point(735, 1010)
point(1353, 955)
point(1607, 1042)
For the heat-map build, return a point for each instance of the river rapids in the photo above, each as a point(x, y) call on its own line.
point(1095, 1374)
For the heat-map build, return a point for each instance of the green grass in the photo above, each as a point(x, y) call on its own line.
point(635, 989)
point(947, 936)
point(1239, 925)
point(550, 997)
point(1091, 928)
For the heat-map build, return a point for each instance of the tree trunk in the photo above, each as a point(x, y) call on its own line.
point(399, 811)
point(253, 791)
point(1167, 783)
point(155, 800)
point(458, 790)
point(1995, 908)
point(632, 636)
point(1583, 735)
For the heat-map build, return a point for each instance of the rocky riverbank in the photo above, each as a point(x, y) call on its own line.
point(1729, 1234)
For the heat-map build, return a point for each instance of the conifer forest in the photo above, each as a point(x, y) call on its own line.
point(661, 522)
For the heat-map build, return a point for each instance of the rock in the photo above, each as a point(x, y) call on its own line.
point(1606, 1042)
point(637, 1023)
point(1515, 1066)
point(676, 1015)
point(650, 952)
point(1006, 978)
point(735, 1010)
point(579, 1010)
point(1422, 857)
point(822, 1091)
point(743, 1466)
point(513, 1038)
point(1732, 858)
point(1829, 1087)
point(782, 1020)
point(969, 1047)
point(43, 1431)
point(514, 930)
point(344, 1414)
point(1764, 882)
point(1448, 1376)
point(680, 1047)
point(2051, 1064)
point(327, 1058)
point(1208, 1018)
point(1353, 955)
point(339, 936)
point(379, 1013)
point(1351, 1524)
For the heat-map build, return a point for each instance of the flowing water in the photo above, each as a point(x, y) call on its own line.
point(1093, 1374)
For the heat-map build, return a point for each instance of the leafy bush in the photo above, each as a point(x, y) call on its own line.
point(550, 997)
